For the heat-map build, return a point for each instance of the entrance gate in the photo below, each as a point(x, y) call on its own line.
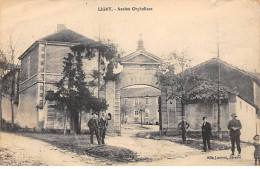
point(139, 69)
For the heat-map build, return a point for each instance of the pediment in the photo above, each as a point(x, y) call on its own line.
point(141, 57)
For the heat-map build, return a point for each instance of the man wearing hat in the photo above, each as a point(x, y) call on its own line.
point(93, 125)
point(206, 133)
point(183, 126)
point(234, 126)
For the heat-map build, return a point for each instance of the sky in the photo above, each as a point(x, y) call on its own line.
point(172, 25)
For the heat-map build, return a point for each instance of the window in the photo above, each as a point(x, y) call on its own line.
point(42, 55)
point(43, 49)
point(41, 94)
point(147, 112)
point(42, 62)
point(146, 100)
point(42, 76)
point(41, 102)
point(28, 66)
point(136, 113)
point(41, 88)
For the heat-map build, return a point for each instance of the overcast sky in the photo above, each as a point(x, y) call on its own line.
point(171, 25)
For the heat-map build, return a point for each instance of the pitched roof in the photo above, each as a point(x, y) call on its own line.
point(253, 76)
point(67, 35)
point(141, 52)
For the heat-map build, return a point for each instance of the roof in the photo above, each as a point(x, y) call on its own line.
point(156, 60)
point(140, 92)
point(253, 76)
point(67, 35)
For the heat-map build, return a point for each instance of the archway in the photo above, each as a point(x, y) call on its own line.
point(139, 68)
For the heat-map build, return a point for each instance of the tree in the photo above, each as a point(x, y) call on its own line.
point(73, 92)
point(3, 69)
point(124, 111)
point(141, 108)
point(185, 84)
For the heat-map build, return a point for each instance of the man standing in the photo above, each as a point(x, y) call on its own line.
point(93, 128)
point(234, 126)
point(103, 127)
point(206, 134)
point(183, 126)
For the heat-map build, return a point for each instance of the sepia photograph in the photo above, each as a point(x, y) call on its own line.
point(129, 83)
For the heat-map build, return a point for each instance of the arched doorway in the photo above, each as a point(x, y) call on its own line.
point(139, 70)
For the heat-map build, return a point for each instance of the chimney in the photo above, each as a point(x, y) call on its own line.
point(61, 27)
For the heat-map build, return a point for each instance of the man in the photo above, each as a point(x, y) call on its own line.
point(206, 134)
point(234, 126)
point(183, 126)
point(103, 127)
point(94, 128)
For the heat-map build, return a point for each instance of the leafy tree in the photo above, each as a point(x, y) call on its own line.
point(187, 85)
point(73, 91)
point(141, 108)
point(124, 111)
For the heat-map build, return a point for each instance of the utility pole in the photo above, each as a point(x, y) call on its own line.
point(219, 101)
point(13, 72)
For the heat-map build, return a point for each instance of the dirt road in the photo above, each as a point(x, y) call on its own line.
point(18, 150)
point(167, 153)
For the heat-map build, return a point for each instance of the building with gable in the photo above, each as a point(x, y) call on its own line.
point(139, 87)
point(41, 67)
point(245, 103)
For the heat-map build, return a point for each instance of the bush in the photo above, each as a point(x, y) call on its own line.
point(10, 127)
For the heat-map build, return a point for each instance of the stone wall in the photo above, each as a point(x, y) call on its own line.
point(27, 112)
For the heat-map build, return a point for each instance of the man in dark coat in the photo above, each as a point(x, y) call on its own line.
point(103, 127)
point(183, 126)
point(234, 126)
point(93, 125)
point(206, 133)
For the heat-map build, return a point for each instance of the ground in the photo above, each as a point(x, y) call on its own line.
point(19, 150)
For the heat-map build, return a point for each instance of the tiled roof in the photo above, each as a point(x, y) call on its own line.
point(67, 35)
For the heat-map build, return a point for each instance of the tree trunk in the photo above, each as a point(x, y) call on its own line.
point(12, 95)
point(1, 116)
point(12, 109)
point(65, 122)
point(182, 107)
point(141, 112)
point(74, 122)
point(79, 123)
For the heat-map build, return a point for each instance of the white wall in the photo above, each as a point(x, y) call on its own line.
point(247, 115)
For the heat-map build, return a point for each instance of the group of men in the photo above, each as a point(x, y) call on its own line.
point(234, 126)
point(98, 127)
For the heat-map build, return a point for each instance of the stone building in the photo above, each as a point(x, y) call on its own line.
point(145, 96)
point(41, 67)
point(245, 103)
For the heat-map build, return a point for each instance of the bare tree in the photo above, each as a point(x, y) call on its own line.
point(3, 69)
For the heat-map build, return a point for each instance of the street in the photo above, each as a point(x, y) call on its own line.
point(19, 150)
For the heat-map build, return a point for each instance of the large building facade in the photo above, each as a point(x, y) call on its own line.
point(41, 68)
point(140, 105)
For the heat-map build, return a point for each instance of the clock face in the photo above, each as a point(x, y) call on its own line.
point(110, 91)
